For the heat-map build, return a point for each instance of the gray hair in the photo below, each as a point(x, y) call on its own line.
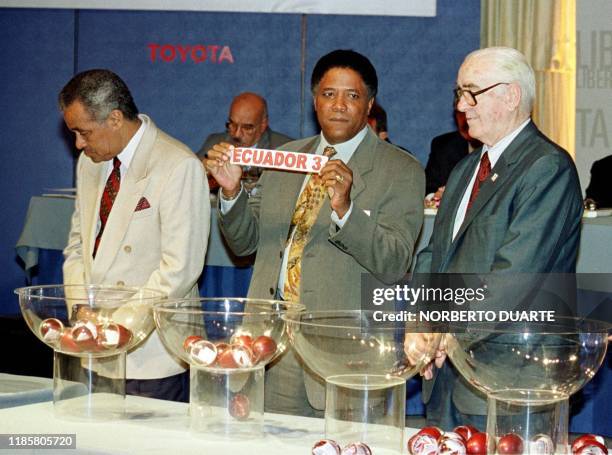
point(100, 91)
point(511, 66)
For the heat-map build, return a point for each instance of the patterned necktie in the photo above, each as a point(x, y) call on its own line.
point(108, 198)
point(483, 172)
point(307, 209)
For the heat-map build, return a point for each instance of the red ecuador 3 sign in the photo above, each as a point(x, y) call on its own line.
point(278, 159)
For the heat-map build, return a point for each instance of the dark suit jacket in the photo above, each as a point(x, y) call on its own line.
point(526, 219)
point(446, 151)
point(600, 189)
point(268, 140)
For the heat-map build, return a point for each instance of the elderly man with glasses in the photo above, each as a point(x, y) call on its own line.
point(246, 126)
point(512, 206)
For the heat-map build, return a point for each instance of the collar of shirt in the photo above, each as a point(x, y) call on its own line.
point(127, 154)
point(496, 150)
point(344, 150)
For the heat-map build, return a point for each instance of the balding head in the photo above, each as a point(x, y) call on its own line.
point(248, 119)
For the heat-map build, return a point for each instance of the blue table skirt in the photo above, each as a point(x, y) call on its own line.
point(590, 412)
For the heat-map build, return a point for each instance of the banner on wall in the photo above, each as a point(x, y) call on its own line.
point(425, 8)
point(593, 84)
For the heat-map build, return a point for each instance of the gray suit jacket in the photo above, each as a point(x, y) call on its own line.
point(268, 140)
point(379, 237)
point(527, 219)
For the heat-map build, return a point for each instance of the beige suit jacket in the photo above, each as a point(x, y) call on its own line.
point(161, 247)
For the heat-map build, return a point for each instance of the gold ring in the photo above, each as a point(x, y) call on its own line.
point(339, 178)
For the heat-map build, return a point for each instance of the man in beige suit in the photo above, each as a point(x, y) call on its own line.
point(156, 233)
point(368, 222)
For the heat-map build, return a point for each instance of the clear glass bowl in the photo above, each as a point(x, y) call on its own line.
point(91, 320)
point(219, 334)
point(227, 342)
point(528, 371)
point(530, 362)
point(350, 348)
point(365, 365)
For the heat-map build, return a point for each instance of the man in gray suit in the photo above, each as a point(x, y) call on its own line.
point(369, 223)
point(512, 206)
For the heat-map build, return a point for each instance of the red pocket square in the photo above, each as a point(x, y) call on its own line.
point(142, 204)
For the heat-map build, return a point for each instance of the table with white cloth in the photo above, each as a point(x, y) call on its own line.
point(161, 427)
point(46, 229)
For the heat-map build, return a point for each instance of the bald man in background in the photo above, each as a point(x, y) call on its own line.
point(246, 126)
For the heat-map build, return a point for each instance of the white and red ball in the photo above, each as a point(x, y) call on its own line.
point(225, 358)
point(586, 439)
point(542, 444)
point(84, 334)
point(592, 448)
point(432, 431)
point(356, 448)
point(451, 445)
point(423, 444)
point(203, 352)
point(242, 339)
point(113, 336)
point(243, 356)
point(51, 330)
point(466, 431)
point(326, 447)
point(189, 341)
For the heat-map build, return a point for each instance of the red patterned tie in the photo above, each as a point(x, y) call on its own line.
point(483, 172)
point(108, 198)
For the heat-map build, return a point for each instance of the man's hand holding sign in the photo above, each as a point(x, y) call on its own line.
point(227, 175)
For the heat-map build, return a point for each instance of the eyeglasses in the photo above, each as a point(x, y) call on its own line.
point(470, 97)
point(233, 127)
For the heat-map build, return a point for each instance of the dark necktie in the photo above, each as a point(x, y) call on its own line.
point(483, 173)
point(108, 198)
point(307, 209)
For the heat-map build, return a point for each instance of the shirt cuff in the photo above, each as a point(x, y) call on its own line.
point(341, 221)
point(225, 205)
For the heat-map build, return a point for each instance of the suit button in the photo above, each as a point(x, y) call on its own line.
point(127, 249)
point(120, 283)
point(271, 291)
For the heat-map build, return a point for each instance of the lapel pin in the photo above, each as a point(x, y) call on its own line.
point(494, 177)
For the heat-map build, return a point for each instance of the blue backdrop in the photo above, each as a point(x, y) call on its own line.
point(184, 68)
